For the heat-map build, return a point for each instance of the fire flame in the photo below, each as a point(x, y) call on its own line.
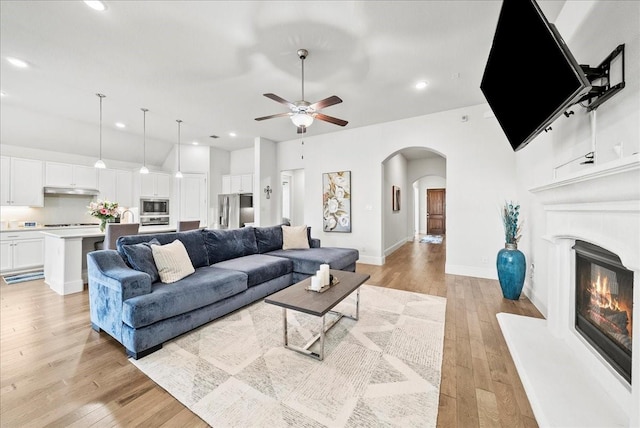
point(601, 294)
point(601, 297)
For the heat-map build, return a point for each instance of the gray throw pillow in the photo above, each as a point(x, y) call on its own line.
point(140, 257)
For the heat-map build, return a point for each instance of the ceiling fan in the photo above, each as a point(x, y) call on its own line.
point(302, 112)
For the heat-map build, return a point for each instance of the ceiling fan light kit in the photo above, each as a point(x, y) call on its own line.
point(302, 113)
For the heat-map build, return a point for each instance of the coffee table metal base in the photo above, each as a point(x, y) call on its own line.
point(323, 330)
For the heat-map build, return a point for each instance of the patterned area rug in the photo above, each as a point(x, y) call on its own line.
point(432, 239)
point(382, 370)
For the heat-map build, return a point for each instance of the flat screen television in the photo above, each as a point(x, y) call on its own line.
point(531, 77)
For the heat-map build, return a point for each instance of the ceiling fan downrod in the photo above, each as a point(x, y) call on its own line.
point(303, 53)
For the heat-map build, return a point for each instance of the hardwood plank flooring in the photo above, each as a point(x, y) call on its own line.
point(56, 371)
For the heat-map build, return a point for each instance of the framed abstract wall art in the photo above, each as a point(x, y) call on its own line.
point(336, 201)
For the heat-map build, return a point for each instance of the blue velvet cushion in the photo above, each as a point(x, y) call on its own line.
point(308, 261)
point(140, 257)
point(225, 244)
point(258, 267)
point(268, 238)
point(193, 241)
point(205, 286)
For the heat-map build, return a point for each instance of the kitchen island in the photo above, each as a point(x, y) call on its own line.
point(64, 255)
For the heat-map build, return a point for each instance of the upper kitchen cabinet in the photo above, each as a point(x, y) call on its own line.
point(155, 184)
point(116, 186)
point(22, 182)
point(68, 175)
point(237, 183)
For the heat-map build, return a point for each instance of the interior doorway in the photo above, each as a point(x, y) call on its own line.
point(436, 211)
point(293, 196)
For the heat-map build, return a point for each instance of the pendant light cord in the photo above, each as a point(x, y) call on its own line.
point(101, 97)
point(179, 164)
point(144, 136)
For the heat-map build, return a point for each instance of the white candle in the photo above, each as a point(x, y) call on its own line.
point(315, 283)
point(324, 268)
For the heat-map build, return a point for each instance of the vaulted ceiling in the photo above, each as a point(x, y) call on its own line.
point(209, 62)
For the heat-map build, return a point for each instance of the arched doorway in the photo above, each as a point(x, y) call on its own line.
point(409, 171)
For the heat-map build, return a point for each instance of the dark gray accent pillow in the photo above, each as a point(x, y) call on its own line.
point(140, 257)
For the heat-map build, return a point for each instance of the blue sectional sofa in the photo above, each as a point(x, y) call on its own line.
point(233, 267)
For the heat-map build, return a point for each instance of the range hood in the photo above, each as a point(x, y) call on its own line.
point(70, 191)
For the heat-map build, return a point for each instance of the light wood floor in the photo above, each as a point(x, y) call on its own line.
point(56, 371)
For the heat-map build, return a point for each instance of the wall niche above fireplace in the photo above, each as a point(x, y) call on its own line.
point(604, 304)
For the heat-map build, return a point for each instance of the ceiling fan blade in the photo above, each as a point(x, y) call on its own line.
point(302, 129)
point(280, 100)
point(332, 100)
point(330, 119)
point(273, 115)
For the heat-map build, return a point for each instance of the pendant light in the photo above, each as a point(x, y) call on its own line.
point(144, 169)
point(179, 173)
point(100, 163)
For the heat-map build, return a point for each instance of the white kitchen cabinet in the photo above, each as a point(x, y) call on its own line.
point(21, 251)
point(116, 186)
point(226, 184)
point(242, 183)
point(22, 182)
point(194, 198)
point(155, 184)
point(69, 175)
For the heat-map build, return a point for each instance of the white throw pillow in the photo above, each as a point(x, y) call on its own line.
point(294, 237)
point(172, 261)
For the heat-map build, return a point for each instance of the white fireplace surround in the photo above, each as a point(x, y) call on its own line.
point(602, 207)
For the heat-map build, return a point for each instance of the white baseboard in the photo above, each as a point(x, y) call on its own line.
point(475, 271)
point(397, 245)
point(371, 260)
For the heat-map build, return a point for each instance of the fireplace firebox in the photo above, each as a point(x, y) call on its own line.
point(604, 304)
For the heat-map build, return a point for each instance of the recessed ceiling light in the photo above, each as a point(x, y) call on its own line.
point(120, 125)
point(3, 94)
point(232, 134)
point(422, 84)
point(17, 62)
point(96, 5)
point(195, 143)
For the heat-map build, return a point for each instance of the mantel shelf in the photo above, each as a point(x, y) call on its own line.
point(614, 181)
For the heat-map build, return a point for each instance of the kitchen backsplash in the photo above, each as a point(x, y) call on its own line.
point(57, 209)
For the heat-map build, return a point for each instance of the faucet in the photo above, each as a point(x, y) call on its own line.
point(133, 217)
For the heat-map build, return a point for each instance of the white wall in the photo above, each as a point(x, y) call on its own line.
point(219, 162)
point(242, 161)
point(266, 211)
point(591, 30)
point(396, 230)
point(480, 168)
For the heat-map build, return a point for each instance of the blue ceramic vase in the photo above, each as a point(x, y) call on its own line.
point(512, 267)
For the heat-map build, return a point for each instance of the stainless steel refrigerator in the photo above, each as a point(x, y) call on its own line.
point(235, 210)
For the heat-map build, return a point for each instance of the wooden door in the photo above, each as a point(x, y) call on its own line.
point(436, 209)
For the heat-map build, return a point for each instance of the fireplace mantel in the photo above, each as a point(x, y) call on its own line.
point(616, 181)
point(599, 205)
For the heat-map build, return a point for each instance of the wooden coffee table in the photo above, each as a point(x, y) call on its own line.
point(298, 298)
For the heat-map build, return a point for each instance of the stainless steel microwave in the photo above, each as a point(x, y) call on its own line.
point(154, 207)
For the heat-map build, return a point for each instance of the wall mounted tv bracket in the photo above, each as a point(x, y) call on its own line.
point(601, 89)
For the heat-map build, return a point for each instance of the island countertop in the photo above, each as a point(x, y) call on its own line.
point(94, 232)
